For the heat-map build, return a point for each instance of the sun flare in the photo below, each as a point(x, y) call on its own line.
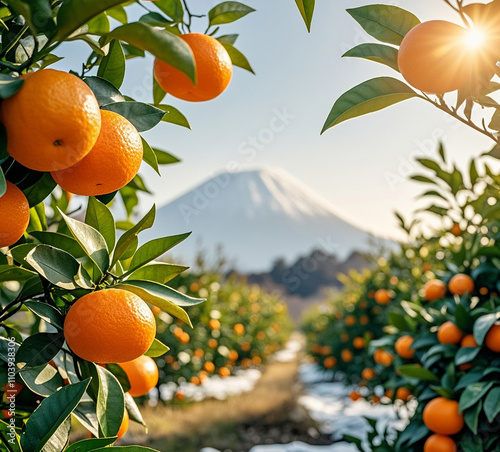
point(475, 38)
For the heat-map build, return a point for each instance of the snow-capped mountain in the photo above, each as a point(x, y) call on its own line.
point(256, 216)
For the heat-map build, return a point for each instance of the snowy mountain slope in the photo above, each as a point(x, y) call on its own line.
point(257, 216)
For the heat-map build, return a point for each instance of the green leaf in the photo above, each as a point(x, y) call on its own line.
point(466, 355)
point(61, 241)
point(130, 236)
point(423, 179)
point(120, 375)
point(379, 53)
point(368, 97)
point(159, 272)
point(473, 393)
point(50, 415)
point(172, 8)
point(482, 325)
point(133, 410)
point(162, 44)
point(74, 14)
point(155, 248)
point(40, 190)
point(165, 158)
point(306, 8)
point(9, 85)
point(55, 265)
point(3, 183)
point(88, 445)
point(47, 313)
point(413, 371)
point(173, 116)
point(157, 349)
point(167, 299)
point(149, 156)
point(237, 58)
point(471, 417)
point(227, 12)
point(104, 91)
point(158, 92)
point(101, 219)
point(118, 13)
point(112, 66)
point(91, 241)
point(399, 321)
point(231, 39)
point(110, 402)
point(492, 404)
point(43, 380)
point(14, 273)
point(142, 116)
point(5, 349)
point(473, 174)
point(39, 349)
point(38, 14)
point(386, 23)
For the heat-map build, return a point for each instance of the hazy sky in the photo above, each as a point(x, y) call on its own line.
point(359, 166)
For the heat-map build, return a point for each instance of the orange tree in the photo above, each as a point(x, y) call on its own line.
point(239, 326)
point(75, 296)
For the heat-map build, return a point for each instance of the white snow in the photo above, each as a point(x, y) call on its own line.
point(257, 216)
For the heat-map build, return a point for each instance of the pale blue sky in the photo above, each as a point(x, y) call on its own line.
point(303, 74)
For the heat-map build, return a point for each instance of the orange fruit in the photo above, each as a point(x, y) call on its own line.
point(456, 230)
point(346, 355)
point(214, 324)
point(403, 347)
point(355, 396)
point(14, 215)
point(461, 284)
point(224, 372)
point(199, 353)
point(233, 355)
point(432, 57)
point(180, 396)
point(52, 122)
point(195, 380)
point(213, 71)
point(434, 289)
point(326, 350)
point(492, 340)
point(403, 394)
point(212, 343)
point(350, 320)
point(364, 320)
point(109, 326)
point(440, 443)
point(449, 333)
point(123, 426)
point(469, 341)
point(239, 329)
point(184, 338)
point(383, 296)
point(330, 362)
point(142, 375)
point(257, 360)
point(245, 347)
point(209, 367)
point(442, 416)
point(383, 357)
point(368, 374)
point(111, 164)
point(358, 342)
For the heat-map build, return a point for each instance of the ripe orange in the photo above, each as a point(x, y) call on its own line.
point(124, 426)
point(368, 374)
point(52, 122)
point(358, 342)
point(214, 324)
point(432, 56)
point(456, 230)
point(469, 341)
point(14, 215)
point(212, 343)
point(461, 284)
point(383, 296)
point(350, 320)
point(442, 416)
point(434, 289)
point(199, 353)
point(224, 372)
point(239, 329)
point(142, 374)
point(213, 71)
point(246, 346)
point(383, 357)
point(493, 339)
point(403, 347)
point(184, 338)
point(326, 350)
point(440, 443)
point(110, 326)
point(449, 333)
point(403, 394)
point(233, 355)
point(111, 164)
point(209, 366)
point(355, 396)
point(330, 362)
point(346, 356)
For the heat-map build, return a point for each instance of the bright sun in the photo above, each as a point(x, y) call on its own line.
point(475, 38)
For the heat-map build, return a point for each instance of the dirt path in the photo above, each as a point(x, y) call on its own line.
point(267, 415)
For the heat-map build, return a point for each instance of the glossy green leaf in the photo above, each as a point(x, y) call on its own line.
point(173, 116)
point(368, 97)
point(120, 375)
point(227, 12)
point(9, 85)
point(14, 273)
point(61, 241)
point(159, 272)
point(112, 66)
point(172, 8)
point(482, 325)
point(306, 8)
point(47, 313)
point(385, 23)
point(105, 92)
point(142, 116)
point(118, 13)
point(162, 44)
point(43, 380)
point(473, 393)
point(157, 349)
point(149, 156)
point(38, 14)
point(158, 92)
point(88, 445)
point(6, 348)
point(39, 349)
point(413, 371)
point(165, 158)
point(39, 191)
point(379, 53)
point(237, 58)
point(133, 410)
point(101, 219)
point(492, 404)
point(50, 415)
point(110, 402)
